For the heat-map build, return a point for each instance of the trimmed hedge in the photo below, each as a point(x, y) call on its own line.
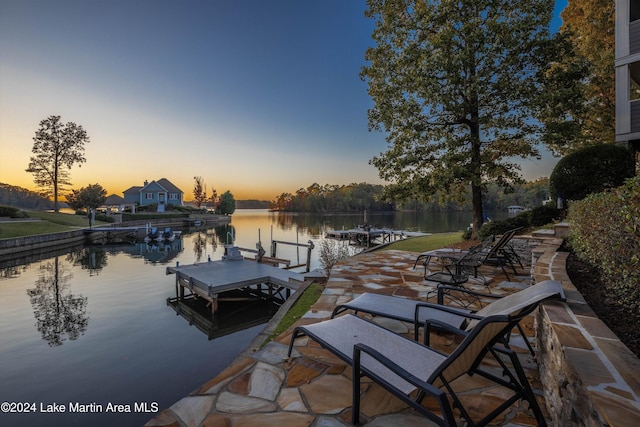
point(591, 170)
point(146, 216)
point(605, 231)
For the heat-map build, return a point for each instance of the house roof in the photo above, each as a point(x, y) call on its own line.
point(114, 200)
point(168, 185)
point(134, 189)
point(162, 182)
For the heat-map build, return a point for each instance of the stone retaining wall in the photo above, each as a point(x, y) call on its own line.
point(590, 378)
point(29, 243)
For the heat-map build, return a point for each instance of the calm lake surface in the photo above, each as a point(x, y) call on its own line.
point(89, 327)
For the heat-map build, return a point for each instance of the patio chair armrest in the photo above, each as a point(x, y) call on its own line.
point(443, 288)
point(441, 307)
point(430, 324)
point(424, 387)
point(393, 367)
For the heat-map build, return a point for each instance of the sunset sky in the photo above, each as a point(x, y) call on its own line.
point(257, 97)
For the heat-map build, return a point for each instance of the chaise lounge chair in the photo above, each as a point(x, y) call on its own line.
point(403, 366)
point(491, 252)
point(433, 316)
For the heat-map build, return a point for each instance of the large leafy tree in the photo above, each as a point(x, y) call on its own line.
point(90, 197)
point(590, 26)
point(563, 103)
point(56, 148)
point(227, 204)
point(453, 85)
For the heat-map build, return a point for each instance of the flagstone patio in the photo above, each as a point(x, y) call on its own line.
point(313, 387)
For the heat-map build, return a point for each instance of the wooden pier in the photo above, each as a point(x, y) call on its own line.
point(214, 279)
point(368, 236)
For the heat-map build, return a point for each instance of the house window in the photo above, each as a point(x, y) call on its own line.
point(149, 196)
point(634, 11)
point(173, 196)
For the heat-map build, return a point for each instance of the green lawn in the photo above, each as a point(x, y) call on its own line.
point(426, 243)
point(50, 223)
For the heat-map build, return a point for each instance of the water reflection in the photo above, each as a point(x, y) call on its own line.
point(60, 315)
point(157, 252)
point(229, 318)
point(91, 258)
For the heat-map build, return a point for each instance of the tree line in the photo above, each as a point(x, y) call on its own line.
point(11, 195)
point(333, 198)
point(363, 196)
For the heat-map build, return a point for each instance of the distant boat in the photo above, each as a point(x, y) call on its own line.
point(168, 235)
point(153, 234)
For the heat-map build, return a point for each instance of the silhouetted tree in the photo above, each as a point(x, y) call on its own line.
point(199, 191)
point(57, 147)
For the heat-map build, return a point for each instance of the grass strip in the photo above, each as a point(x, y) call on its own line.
point(304, 303)
point(425, 243)
point(50, 222)
point(10, 230)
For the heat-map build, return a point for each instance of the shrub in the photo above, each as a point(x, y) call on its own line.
point(500, 226)
point(11, 212)
point(104, 218)
point(332, 252)
point(148, 216)
point(541, 215)
point(591, 170)
point(605, 231)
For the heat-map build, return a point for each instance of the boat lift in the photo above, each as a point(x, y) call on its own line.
point(273, 258)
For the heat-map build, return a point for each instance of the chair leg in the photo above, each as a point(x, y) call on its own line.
point(527, 392)
point(526, 340)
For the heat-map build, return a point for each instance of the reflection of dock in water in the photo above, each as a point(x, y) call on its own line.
point(229, 318)
point(160, 252)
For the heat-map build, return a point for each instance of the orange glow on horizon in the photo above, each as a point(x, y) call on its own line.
point(118, 186)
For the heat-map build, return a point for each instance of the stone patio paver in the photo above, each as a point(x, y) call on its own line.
point(313, 387)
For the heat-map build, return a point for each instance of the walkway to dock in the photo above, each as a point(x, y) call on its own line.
point(313, 388)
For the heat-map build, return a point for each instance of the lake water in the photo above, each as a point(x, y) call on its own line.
point(88, 327)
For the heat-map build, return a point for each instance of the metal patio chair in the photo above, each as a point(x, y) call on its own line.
point(402, 366)
point(433, 316)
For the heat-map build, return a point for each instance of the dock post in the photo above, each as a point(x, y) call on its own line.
point(273, 249)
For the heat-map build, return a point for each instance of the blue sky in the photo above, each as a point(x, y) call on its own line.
point(257, 97)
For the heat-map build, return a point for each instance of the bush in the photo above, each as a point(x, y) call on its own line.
point(332, 252)
point(11, 212)
point(536, 217)
point(605, 232)
point(148, 216)
point(104, 218)
point(591, 170)
point(500, 226)
point(541, 215)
